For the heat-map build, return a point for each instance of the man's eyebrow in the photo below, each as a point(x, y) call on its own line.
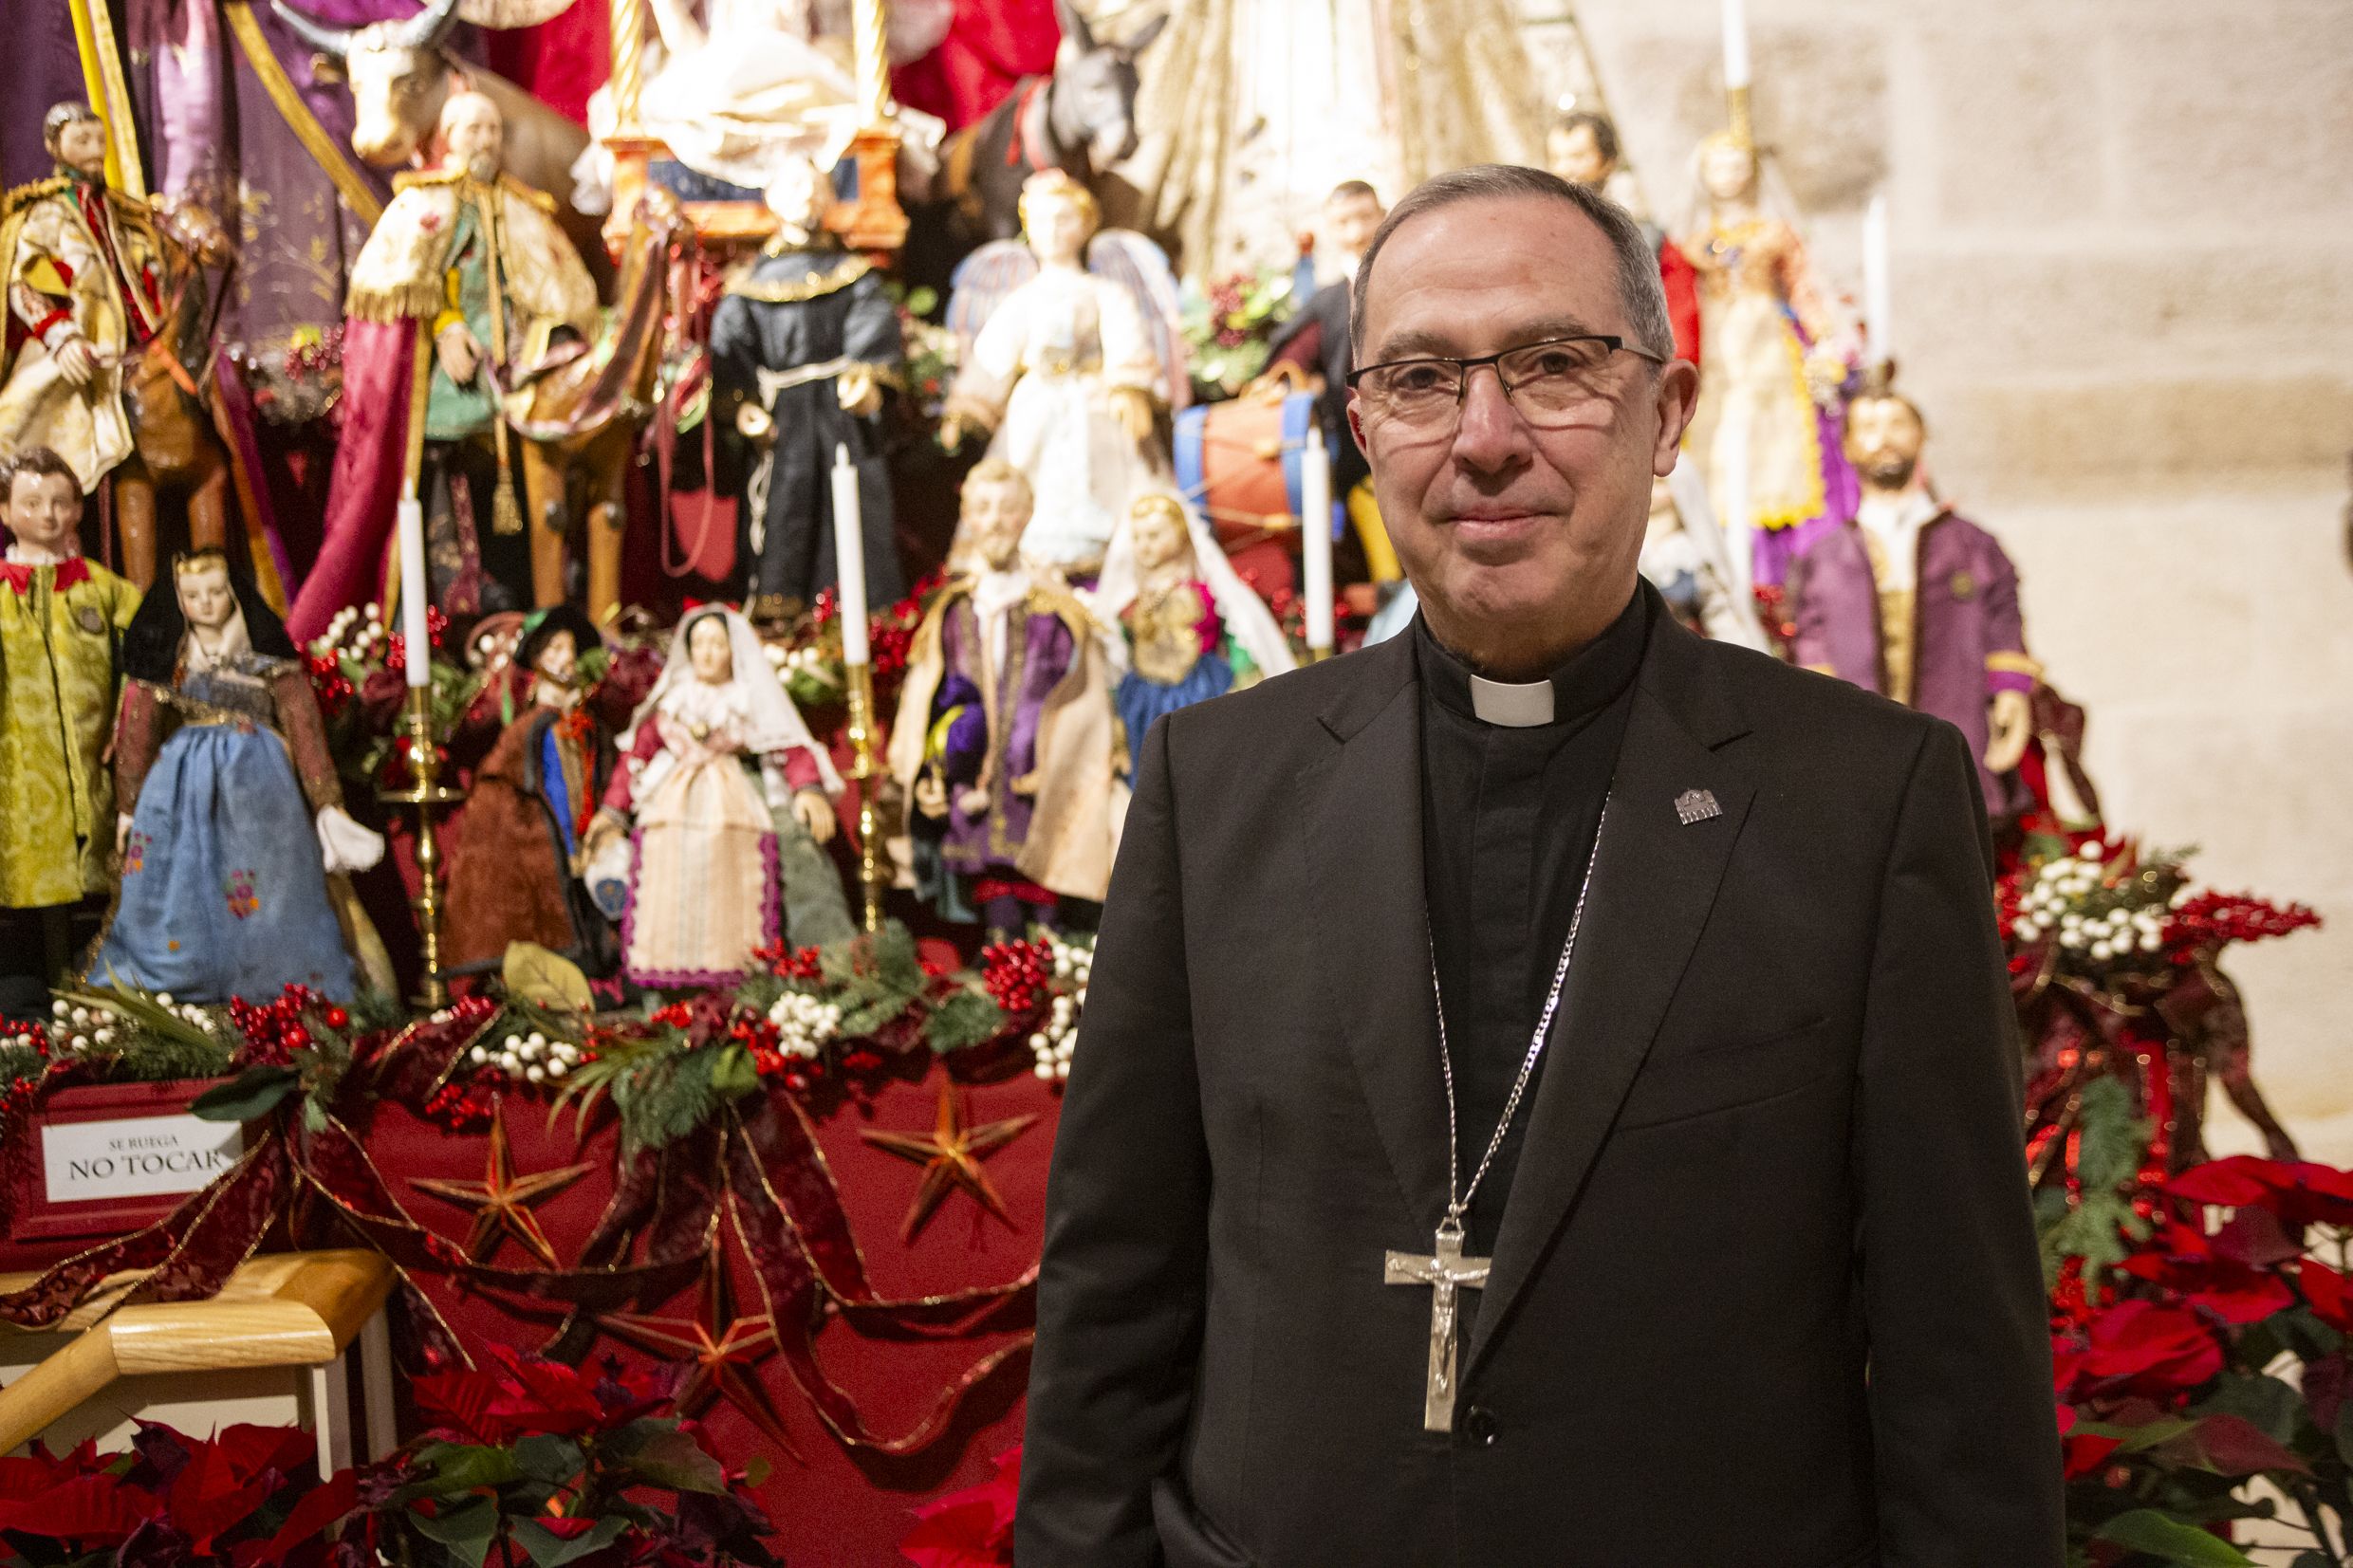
point(1416, 342)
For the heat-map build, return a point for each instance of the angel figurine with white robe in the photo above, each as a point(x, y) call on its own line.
point(1072, 351)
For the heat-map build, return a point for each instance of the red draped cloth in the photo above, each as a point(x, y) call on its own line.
point(561, 61)
point(990, 44)
point(378, 359)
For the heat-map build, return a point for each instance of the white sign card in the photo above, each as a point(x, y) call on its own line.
point(135, 1156)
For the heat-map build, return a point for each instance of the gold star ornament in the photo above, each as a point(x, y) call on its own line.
point(951, 1159)
point(501, 1200)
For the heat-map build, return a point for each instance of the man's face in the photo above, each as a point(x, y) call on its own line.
point(995, 515)
point(45, 512)
point(1883, 440)
point(1577, 156)
point(1350, 222)
point(81, 147)
point(709, 650)
point(559, 657)
point(473, 135)
point(1499, 523)
point(797, 196)
point(206, 599)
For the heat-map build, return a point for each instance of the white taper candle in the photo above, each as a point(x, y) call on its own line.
point(1736, 43)
point(416, 592)
point(1315, 539)
point(850, 555)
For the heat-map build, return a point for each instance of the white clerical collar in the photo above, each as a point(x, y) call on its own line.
point(1514, 705)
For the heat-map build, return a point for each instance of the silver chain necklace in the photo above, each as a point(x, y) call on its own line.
point(1457, 1205)
point(1445, 1270)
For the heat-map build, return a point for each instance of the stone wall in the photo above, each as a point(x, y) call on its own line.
point(2123, 296)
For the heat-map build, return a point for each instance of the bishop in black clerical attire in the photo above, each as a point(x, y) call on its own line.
point(1549, 1092)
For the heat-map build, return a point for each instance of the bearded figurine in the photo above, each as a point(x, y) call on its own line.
point(517, 874)
point(84, 271)
point(62, 619)
point(1913, 602)
point(230, 812)
point(803, 344)
point(1005, 741)
point(728, 801)
point(473, 260)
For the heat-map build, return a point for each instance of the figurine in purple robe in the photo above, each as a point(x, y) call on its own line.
point(1917, 603)
point(1004, 740)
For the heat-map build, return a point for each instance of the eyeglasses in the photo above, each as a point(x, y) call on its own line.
point(1557, 383)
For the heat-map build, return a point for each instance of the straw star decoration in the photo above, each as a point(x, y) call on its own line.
point(718, 1348)
point(501, 1200)
point(951, 1159)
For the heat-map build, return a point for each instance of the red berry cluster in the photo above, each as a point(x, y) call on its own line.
point(461, 1107)
point(328, 683)
point(274, 1031)
point(34, 1035)
point(1018, 975)
point(803, 964)
point(2211, 920)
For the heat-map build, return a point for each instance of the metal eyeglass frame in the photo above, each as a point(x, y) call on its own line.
point(1610, 342)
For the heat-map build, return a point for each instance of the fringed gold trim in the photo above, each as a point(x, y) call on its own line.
point(405, 302)
point(814, 286)
point(25, 195)
point(2015, 664)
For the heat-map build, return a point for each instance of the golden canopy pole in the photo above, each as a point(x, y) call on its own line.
point(875, 222)
point(629, 145)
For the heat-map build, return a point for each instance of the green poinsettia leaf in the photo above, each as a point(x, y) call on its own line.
point(252, 1094)
point(961, 1020)
point(466, 1531)
point(464, 1468)
point(551, 1550)
point(543, 1456)
point(2162, 1536)
point(658, 1454)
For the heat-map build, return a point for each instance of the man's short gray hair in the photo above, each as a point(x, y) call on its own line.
point(1640, 292)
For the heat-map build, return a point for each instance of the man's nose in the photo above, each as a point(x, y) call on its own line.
point(1490, 435)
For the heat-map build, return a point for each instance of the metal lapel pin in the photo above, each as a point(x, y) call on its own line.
point(1697, 805)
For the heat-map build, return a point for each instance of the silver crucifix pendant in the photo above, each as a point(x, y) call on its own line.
point(1445, 1271)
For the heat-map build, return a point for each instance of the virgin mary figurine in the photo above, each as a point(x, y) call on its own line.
point(729, 800)
point(231, 814)
point(1767, 423)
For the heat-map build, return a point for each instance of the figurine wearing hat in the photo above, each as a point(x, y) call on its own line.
point(516, 875)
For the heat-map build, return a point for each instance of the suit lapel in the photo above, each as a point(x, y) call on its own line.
point(1364, 853)
point(1654, 882)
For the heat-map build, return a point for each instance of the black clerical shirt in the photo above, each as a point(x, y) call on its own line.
point(1509, 820)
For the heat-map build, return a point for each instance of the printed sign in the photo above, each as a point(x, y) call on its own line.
point(135, 1156)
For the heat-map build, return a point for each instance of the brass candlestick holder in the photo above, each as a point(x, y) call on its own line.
point(426, 793)
point(871, 877)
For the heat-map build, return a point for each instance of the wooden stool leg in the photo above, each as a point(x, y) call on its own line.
point(135, 522)
point(543, 492)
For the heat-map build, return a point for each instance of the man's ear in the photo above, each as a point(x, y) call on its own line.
point(1356, 426)
point(1677, 397)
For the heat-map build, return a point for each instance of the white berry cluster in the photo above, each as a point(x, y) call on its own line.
point(805, 1024)
point(368, 636)
point(533, 1058)
point(73, 1028)
point(1074, 962)
point(2072, 900)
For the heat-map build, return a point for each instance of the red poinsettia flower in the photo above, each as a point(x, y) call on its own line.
point(2184, 1259)
point(2141, 1348)
point(973, 1528)
point(2300, 1192)
point(2084, 1452)
point(2328, 1293)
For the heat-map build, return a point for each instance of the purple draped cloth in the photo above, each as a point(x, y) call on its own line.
point(43, 68)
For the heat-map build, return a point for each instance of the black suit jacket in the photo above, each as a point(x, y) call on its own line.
point(1765, 1292)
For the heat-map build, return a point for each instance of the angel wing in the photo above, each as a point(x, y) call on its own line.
point(980, 283)
point(1139, 267)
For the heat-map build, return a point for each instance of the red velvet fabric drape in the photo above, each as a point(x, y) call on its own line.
point(990, 44)
point(378, 359)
